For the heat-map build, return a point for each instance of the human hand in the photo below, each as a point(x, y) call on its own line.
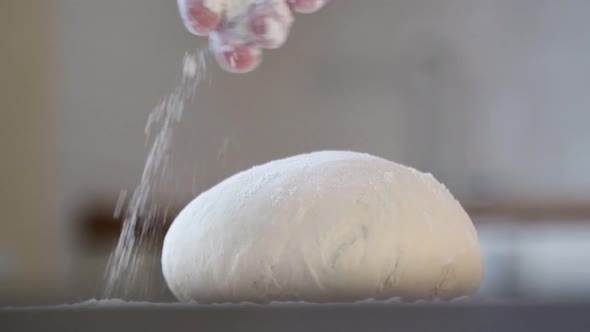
point(238, 30)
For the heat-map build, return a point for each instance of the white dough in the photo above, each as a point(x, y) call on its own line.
point(323, 227)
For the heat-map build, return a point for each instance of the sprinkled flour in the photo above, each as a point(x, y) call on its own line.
point(130, 252)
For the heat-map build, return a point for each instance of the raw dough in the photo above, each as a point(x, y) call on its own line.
point(327, 226)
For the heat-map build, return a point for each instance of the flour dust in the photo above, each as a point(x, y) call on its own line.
point(135, 250)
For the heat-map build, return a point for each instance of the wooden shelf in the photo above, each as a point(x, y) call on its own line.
point(98, 222)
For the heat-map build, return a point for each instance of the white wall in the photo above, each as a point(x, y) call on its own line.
point(482, 93)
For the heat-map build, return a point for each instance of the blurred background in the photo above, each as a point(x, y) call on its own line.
point(492, 97)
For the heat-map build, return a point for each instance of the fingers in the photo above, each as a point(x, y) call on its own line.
point(307, 6)
point(237, 39)
point(239, 59)
point(201, 17)
point(270, 22)
point(238, 42)
point(235, 58)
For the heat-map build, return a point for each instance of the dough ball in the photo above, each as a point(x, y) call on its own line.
point(327, 226)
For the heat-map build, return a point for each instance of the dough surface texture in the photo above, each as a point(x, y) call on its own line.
point(330, 226)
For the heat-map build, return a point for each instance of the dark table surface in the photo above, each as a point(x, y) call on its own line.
point(496, 317)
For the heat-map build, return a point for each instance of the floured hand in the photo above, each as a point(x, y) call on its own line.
point(238, 30)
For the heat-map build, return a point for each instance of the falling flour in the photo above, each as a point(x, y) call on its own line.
point(134, 247)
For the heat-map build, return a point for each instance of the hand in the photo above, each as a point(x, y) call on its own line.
point(238, 30)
